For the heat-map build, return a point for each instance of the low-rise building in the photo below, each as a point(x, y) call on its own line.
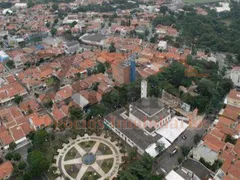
point(71, 47)
point(6, 170)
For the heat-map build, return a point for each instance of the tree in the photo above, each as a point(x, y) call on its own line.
point(96, 111)
point(9, 156)
point(48, 24)
point(55, 7)
point(10, 64)
point(22, 165)
point(185, 151)
point(133, 153)
point(163, 9)
point(112, 48)
point(53, 31)
point(12, 145)
point(180, 160)
point(101, 68)
point(39, 138)
point(17, 156)
point(38, 162)
point(18, 99)
point(197, 139)
point(75, 113)
point(73, 24)
point(206, 87)
point(126, 175)
point(123, 23)
point(30, 4)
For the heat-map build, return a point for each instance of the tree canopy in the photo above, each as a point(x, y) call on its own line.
point(38, 162)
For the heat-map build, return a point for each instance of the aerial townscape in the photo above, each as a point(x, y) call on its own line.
point(120, 89)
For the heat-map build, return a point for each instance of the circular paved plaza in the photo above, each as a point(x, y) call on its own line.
point(88, 157)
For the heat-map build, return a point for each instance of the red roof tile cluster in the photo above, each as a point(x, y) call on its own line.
point(13, 124)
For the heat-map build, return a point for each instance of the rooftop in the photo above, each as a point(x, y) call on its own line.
point(130, 130)
point(150, 108)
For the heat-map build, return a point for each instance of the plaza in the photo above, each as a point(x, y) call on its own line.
point(88, 157)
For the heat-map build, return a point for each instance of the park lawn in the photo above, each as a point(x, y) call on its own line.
point(87, 144)
point(90, 176)
point(200, 1)
point(71, 173)
point(105, 151)
point(50, 81)
point(107, 165)
point(71, 154)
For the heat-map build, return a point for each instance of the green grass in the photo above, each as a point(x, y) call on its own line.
point(107, 165)
point(87, 144)
point(68, 169)
point(91, 176)
point(200, 1)
point(104, 151)
point(50, 81)
point(71, 154)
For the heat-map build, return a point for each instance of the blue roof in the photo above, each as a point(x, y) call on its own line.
point(39, 47)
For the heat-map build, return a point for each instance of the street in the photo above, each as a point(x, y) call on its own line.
point(165, 162)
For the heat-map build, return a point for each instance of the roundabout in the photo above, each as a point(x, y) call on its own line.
point(88, 157)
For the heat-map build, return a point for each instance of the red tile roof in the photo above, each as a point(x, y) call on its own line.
point(6, 169)
point(213, 143)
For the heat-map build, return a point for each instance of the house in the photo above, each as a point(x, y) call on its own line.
point(233, 98)
point(64, 93)
point(10, 90)
point(71, 47)
point(13, 127)
point(93, 39)
point(6, 170)
point(162, 45)
point(209, 148)
point(38, 122)
point(3, 70)
point(86, 97)
point(140, 29)
point(20, 6)
point(166, 30)
point(3, 56)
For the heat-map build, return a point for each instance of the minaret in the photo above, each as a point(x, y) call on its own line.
point(143, 88)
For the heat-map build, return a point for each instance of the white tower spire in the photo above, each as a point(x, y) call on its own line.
point(143, 88)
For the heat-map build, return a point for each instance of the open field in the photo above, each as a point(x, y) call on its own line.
point(201, 1)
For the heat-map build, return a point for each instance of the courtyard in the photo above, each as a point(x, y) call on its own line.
point(88, 157)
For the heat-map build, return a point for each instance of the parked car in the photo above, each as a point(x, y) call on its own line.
point(174, 151)
point(184, 137)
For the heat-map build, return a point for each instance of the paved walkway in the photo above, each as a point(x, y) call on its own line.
point(95, 166)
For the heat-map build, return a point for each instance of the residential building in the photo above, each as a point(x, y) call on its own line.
point(233, 98)
point(121, 71)
point(64, 93)
point(6, 170)
point(38, 122)
point(71, 47)
point(162, 45)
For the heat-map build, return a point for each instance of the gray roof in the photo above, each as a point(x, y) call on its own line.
point(72, 43)
point(196, 168)
point(141, 28)
point(134, 133)
point(151, 109)
point(94, 37)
